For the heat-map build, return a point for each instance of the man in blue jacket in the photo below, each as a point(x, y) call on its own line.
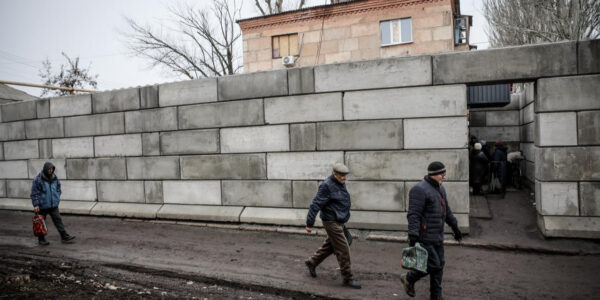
point(45, 197)
point(333, 201)
point(428, 210)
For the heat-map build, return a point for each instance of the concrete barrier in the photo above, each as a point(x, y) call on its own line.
point(19, 111)
point(158, 119)
point(12, 131)
point(192, 192)
point(360, 135)
point(73, 147)
point(255, 139)
point(214, 115)
point(266, 193)
point(118, 145)
point(44, 128)
point(189, 142)
point(121, 191)
point(71, 106)
point(224, 166)
point(164, 167)
point(188, 92)
point(102, 124)
point(255, 85)
point(21, 150)
point(117, 100)
point(306, 108)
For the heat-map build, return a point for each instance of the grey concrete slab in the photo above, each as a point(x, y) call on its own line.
point(44, 128)
point(45, 148)
point(276, 216)
point(528, 151)
point(35, 166)
point(502, 118)
point(477, 119)
point(492, 134)
point(71, 105)
point(118, 145)
point(189, 142)
point(571, 227)
point(528, 114)
point(16, 169)
point(79, 190)
point(567, 93)
point(43, 108)
point(381, 73)
point(530, 171)
point(301, 80)
point(588, 59)
point(116, 100)
point(376, 195)
point(416, 102)
point(360, 135)
point(97, 168)
point(303, 192)
point(21, 150)
point(213, 115)
point(512, 63)
point(102, 124)
point(209, 213)
point(305, 108)
point(12, 131)
point(2, 188)
point(149, 96)
point(378, 220)
point(303, 137)
point(130, 210)
point(150, 144)
point(188, 92)
point(589, 194)
point(384, 165)
point(164, 167)
point(528, 132)
point(76, 207)
point(153, 192)
point(436, 133)
point(558, 198)
point(255, 139)
point(73, 147)
point(556, 129)
point(16, 204)
point(588, 127)
point(456, 191)
point(205, 192)
point(567, 164)
point(253, 85)
point(265, 193)
point(16, 111)
point(302, 165)
point(159, 119)
point(224, 166)
point(18, 188)
point(121, 191)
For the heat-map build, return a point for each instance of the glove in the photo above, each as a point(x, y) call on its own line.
point(412, 240)
point(457, 234)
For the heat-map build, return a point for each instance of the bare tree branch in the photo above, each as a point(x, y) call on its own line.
point(70, 76)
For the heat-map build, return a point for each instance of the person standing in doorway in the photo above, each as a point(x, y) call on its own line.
point(333, 201)
point(45, 197)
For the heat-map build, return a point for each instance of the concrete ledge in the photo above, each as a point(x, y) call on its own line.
point(571, 227)
point(16, 204)
point(278, 216)
point(76, 207)
point(201, 212)
point(131, 210)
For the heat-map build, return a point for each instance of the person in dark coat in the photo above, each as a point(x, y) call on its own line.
point(499, 164)
point(333, 200)
point(428, 211)
point(479, 168)
point(45, 198)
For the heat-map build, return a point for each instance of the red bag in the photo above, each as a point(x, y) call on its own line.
point(39, 226)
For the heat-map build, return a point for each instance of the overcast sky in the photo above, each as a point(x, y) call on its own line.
point(33, 30)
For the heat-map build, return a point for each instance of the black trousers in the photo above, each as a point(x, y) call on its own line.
point(56, 219)
point(435, 269)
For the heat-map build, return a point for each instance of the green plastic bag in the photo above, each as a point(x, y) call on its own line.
point(415, 258)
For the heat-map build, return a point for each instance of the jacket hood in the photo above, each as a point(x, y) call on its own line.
point(47, 166)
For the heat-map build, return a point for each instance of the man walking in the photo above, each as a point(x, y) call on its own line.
point(333, 201)
point(45, 197)
point(428, 210)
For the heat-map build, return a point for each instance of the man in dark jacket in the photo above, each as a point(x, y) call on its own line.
point(45, 197)
point(333, 201)
point(478, 168)
point(428, 210)
point(499, 165)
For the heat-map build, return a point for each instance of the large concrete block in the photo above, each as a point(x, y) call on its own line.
point(556, 129)
point(188, 92)
point(160, 119)
point(35, 166)
point(373, 195)
point(502, 118)
point(102, 124)
point(558, 198)
point(416, 102)
point(406, 165)
point(528, 151)
point(589, 194)
point(44, 128)
point(45, 148)
point(129, 210)
point(306, 108)
point(21, 150)
point(301, 80)
point(150, 144)
point(1, 151)
point(530, 171)
point(116, 100)
point(2, 188)
point(13, 169)
point(456, 191)
point(267, 193)
point(18, 188)
point(302, 165)
point(73, 147)
point(76, 207)
point(492, 134)
point(149, 96)
point(588, 127)
point(568, 93)
point(213, 115)
point(359, 135)
point(226, 166)
point(436, 133)
point(121, 191)
point(528, 132)
point(165, 167)
point(16, 204)
point(277, 216)
point(97, 168)
point(303, 193)
point(118, 145)
point(477, 119)
point(209, 213)
point(79, 190)
point(570, 227)
point(43, 108)
point(381, 73)
point(567, 164)
point(192, 192)
point(303, 137)
point(528, 114)
point(16, 111)
point(71, 106)
point(153, 192)
point(189, 142)
point(255, 139)
point(588, 60)
point(253, 85)
point(513, 63)
point(12, 131)
point(378, 220)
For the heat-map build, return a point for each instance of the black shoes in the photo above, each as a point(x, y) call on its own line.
point(67, 238)
point(43, 242)
point(349, 282)
point(409, 288)
point(311, 268)
point(436, 297)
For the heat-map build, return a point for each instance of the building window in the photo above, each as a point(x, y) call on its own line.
point(395, 32)
point(285, 45)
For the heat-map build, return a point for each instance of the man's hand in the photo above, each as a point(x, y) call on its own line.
point(457, 234)
point(36, 209)
point(412, 240)
point(308, 229)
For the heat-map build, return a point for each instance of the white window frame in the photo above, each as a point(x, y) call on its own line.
point(392, 32)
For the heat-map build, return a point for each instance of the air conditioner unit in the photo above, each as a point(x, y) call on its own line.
point(288, 61)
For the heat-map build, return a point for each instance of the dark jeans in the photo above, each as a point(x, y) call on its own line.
point(56, 219)
point(435, 269)
point(335, 243)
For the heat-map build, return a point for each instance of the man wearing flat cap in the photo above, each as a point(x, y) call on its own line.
point(333, 201)
point(428, 210)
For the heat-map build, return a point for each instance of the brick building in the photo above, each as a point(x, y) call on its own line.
point(352, 31)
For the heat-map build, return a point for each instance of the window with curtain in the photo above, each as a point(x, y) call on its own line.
point(284, 45)
point(397, 31)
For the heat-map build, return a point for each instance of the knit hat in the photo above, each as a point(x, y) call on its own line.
point(436, 168)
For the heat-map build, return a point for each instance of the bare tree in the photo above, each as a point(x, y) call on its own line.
point(197, 48)
point(69, 76)
point(518, 22)
point(269, 7)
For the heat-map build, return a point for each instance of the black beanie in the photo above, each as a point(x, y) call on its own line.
point(436, 168)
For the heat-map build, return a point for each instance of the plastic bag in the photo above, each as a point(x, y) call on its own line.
point(415, 258)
